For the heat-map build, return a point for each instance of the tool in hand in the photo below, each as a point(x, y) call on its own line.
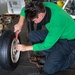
point(16, 36)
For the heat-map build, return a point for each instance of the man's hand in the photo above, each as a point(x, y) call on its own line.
point(17, 28)
point(23, 48)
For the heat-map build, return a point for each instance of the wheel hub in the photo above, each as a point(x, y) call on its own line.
point(14, 53)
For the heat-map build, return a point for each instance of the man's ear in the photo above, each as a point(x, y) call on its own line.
point(40, 15)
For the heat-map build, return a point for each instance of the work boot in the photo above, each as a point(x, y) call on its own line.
point(41, 61)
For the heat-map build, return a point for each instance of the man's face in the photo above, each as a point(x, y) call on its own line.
point(39, 18)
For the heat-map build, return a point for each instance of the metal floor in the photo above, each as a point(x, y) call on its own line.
point(27, 68)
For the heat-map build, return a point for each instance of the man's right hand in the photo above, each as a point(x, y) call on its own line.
point(17, 28)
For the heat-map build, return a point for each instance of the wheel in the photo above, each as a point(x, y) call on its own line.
point(9, 56)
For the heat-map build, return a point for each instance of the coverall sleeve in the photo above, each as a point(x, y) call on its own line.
point(55, 32)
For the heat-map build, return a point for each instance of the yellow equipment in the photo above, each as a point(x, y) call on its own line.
point(60, 3)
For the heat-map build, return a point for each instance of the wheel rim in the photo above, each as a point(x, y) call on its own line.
point(14, 53)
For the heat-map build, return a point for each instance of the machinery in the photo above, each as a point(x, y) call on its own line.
point(67, 5)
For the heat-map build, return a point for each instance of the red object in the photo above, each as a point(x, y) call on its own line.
point(16, 36)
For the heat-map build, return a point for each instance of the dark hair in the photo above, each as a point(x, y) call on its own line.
point(33, 9)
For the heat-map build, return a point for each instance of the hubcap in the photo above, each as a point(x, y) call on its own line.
point(14, 53)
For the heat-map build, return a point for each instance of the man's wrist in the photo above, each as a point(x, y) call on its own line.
point(29, 48)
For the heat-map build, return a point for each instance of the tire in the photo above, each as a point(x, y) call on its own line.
point(9, 56)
